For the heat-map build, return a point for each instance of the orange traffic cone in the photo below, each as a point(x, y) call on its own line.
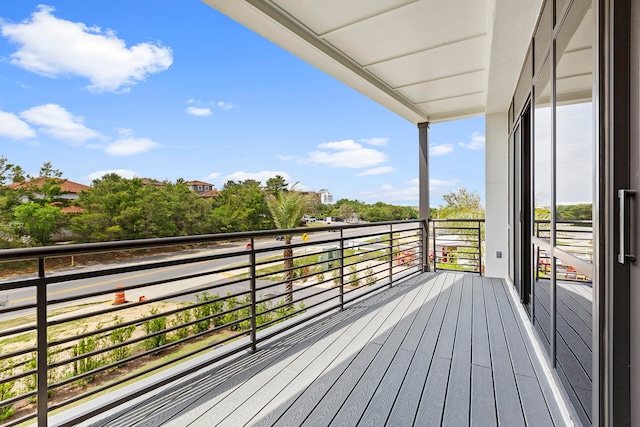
point(120, 298)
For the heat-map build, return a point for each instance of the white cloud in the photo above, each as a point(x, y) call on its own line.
point(377, 171)
point(261, 176)
point(11, 126)
point(213, 175)
point(389, 194)
point(125, 173)
point(346, 154)
point(129, 146)
point(225, 105)
point(378, 142)
point(199, 111)
point(286, 158)
point(476, 143)
point(440, 150)
point(59, 123)
point(438, 185)
point(408, 194)
point(192, 101)
point(54, 47)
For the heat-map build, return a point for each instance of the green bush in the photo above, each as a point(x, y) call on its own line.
point(6, 390)
point(87, 345)
point(119, 336)
point(181, 318)
point(336, 277)
point(155, 325)
point(204, 312)
point(353, 276)
point(371, 278)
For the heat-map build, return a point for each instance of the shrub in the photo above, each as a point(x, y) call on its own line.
point(353, 276)
point(336, 277)
point(119, 336)
point(155, 325)
point(320, 277)
point(181, 318)
point(371, 278)
point(87, 345)
point(6, 390)
point(205, 311)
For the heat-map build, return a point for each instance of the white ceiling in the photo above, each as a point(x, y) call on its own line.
point(426, 60)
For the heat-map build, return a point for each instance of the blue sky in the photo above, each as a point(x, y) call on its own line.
point(178, 90)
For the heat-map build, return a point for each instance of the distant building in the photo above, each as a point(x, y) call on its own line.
point(326, 198)
point(154, 182)
point(200, 187)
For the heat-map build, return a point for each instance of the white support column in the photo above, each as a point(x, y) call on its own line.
point(497, 195)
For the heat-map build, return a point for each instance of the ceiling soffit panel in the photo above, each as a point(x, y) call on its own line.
point(413, 28)
point(473, 102)
point(423, 59)
point(320, 16)
point(462, 84)
point(439, 63)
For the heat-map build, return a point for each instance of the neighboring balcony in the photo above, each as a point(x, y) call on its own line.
point(212, 335)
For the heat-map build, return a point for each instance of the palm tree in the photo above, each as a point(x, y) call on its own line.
point(287, 209)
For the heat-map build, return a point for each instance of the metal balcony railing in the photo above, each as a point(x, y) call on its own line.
point(574, 237)
point(69, 333)
point(456, 244)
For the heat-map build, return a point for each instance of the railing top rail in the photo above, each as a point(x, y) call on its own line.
point(456, 219)
point(86, 248)
point(564, 221)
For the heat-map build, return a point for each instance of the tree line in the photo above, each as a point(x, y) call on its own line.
point(117, 208)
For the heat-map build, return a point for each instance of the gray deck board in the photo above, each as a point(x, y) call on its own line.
point(438, 349)
point(507, 398)
point(458, 400)
point(480, 350)
point(406, 406)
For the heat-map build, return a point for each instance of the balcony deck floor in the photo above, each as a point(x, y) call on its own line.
point(437, 349)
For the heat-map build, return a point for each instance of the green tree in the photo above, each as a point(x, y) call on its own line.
point(120, 208)
point(48, 171)
point(38, 222)
point(462, 204)
point(241, 206)
point(275, 185)
point(286, 209)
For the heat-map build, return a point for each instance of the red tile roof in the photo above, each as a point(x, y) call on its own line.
point(199, 183)
point(210, 193)
point(149, 181)
point(65, 185)
point(72, 209)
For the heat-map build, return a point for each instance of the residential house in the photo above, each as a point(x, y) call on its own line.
point(200, 187)
point(69, 190)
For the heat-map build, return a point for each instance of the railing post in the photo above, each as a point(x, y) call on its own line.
point(435, 255)
point(425, 246)
point(341, 269)
point(252, 284)
point(479, 248)
point(41, 328)
point(390, 255)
